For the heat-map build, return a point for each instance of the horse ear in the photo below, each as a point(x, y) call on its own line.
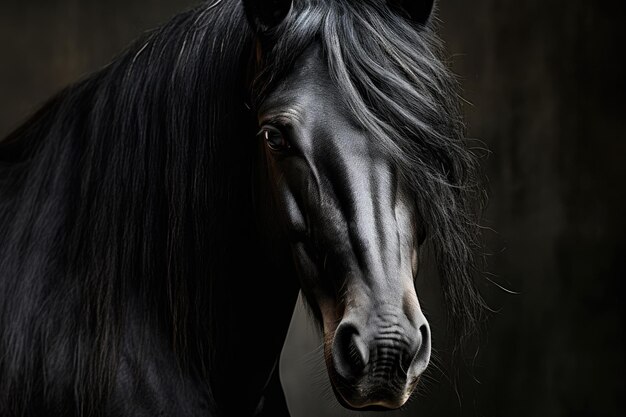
point(264, 15)
point(418, 11)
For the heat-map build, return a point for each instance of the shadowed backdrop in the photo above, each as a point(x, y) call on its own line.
point(544, 85)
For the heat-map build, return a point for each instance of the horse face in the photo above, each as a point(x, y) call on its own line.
point(353, 234)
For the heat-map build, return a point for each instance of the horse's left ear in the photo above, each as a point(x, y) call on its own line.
point(419, 11)
point(264, 15)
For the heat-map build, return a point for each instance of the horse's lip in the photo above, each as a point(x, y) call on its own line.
point(367, 407)
point(376, 406)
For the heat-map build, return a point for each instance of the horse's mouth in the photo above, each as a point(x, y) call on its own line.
point(376, 400)
point(368, 395)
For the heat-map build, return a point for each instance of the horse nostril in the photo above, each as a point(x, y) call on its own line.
point(350, 353)
point(420, 360)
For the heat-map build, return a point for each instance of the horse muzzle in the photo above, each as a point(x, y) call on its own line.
point(375, 360)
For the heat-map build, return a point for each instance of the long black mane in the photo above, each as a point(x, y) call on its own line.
point(121, 196)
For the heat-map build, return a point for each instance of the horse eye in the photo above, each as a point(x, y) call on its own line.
point(274, 138)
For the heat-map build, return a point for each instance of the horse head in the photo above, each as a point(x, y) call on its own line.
point(336, 171)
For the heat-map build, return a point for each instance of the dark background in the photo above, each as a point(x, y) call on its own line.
point(544, 82)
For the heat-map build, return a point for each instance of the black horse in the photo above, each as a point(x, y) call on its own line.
point(158, 218)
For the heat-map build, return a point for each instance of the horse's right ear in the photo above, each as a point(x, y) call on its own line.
point(265, 15)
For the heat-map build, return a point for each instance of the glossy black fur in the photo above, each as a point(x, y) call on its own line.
point(138, 272)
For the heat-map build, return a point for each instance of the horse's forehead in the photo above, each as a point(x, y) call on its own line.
point(307, 85)
point(311, 64)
